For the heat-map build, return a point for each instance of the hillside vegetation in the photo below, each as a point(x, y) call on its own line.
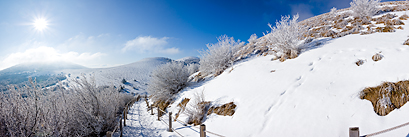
point(294, 86)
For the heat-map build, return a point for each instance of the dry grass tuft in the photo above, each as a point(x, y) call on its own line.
point(385, 29)
point(387, 96)
point(384, 18)
point(394, 22)
point(406, 42)
point(377, 57)
point(182, 107)
point(367, 32)
point(404, 17)
point(289, 54)
point(362, 21)
point(389, 16)
point(200, 115)
point(360, 62)
point(329, 33)
point(400, 27)
point(225, 110)
point(198, 109)
point(162, 105)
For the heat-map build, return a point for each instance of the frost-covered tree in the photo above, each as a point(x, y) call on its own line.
point(252, 39)
point(192, 68)
point(219, 56)
point(286, 35)
point(168, 80)
point(364, 8)
point(85, 110)
point(333, 11)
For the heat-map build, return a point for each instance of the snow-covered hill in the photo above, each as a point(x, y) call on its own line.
point(315, 94)
point(46, 74)
point(136, 74)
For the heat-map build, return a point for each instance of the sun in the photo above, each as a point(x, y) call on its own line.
point(40, 24)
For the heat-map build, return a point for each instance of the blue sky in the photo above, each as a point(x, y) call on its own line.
point(101, 33)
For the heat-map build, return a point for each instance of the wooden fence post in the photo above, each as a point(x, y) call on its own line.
point(126, 111)
point(120, 127)
point(152, 109)
point(109, 133)
point(170, 122)
point(124, 118)
point(158, 114)
point(354, 132)
point(202, 130)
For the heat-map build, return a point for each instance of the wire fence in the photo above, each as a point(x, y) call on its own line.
point(354, 131)
point(123, 118)
point(201, 129)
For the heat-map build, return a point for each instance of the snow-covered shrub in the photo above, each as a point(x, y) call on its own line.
point(168, 80)
point(219, 56)
point(286, 36)
point(364, 8)
point(197, 109)
point(86, 110)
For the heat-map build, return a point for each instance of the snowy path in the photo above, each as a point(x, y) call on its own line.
point(141, 124)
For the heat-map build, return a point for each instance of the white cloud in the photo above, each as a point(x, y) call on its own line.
point(48, 54)
point(148, 44)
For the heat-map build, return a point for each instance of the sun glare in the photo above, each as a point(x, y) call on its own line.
point(40, 24)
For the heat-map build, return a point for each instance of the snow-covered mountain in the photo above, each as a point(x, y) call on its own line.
point(136, 74)
point(46, 74)
point(189, 60)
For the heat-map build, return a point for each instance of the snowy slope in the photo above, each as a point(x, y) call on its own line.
point(315, 94)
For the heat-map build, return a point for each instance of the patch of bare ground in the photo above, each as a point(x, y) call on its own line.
point(387, 97)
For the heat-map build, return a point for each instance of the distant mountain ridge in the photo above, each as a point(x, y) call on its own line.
point(136, 74)
point(37, 66)
point(46, 74)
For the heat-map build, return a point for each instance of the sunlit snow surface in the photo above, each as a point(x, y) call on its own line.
point(316, 94)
